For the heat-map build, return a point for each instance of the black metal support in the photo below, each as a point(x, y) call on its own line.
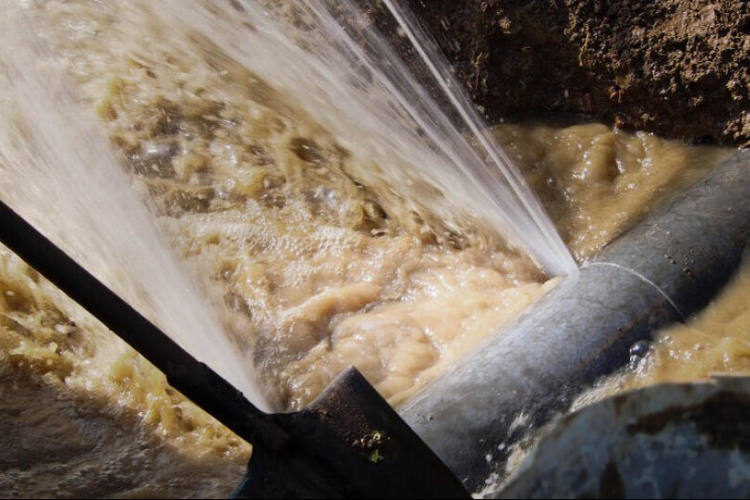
point(195, 380)
point(349, 444)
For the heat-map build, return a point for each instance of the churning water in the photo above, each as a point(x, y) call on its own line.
point(331, 56)
point(59, 172)
point(327, 57)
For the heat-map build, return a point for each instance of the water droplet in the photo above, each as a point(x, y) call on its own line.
point(640, 349)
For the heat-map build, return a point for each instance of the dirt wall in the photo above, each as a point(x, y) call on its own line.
point(678, 68)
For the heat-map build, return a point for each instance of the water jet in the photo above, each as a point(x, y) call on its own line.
point(585, 329)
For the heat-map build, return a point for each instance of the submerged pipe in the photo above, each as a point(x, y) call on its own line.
point(661, 272)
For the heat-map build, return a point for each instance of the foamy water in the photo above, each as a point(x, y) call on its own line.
point(317, 56)
point(58, 171)
point(330, 59)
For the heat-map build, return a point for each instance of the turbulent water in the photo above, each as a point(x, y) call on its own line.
point(596, 182)
point(81, 409)
point(383, 115)
point(326, 218)
point(380, 125)
point(325, 225)
point(66, 180)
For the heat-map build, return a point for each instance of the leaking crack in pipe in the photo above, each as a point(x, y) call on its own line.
point(669, 267)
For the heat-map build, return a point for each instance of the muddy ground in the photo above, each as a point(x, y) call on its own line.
point(680, 68)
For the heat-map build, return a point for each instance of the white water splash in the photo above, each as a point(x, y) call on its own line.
point(57, 170)
point(329, 59)
point(345, 72)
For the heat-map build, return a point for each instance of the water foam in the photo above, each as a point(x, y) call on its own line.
point(324, 56)
point(59, 173)
point(330, 57)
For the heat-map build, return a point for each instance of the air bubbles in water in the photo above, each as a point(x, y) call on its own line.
point(59, 173)
point(324, 56)
point(362, 89)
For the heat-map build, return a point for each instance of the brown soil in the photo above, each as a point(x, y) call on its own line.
point(675, 67)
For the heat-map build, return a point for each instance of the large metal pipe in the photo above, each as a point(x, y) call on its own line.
point(666, 269)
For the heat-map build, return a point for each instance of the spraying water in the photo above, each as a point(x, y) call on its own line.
point(343, 70)
point(67, 182)
point(320, 56)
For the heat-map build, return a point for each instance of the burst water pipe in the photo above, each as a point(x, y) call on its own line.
point(661, 272)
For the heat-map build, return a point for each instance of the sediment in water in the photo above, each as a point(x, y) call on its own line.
point(215, 176)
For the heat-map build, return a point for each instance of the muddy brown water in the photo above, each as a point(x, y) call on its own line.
point(322, 272)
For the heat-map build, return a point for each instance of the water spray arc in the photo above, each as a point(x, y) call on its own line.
point(103, 224)
point(384, 113)
point(349, 443)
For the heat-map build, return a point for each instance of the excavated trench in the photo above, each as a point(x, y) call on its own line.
point(555, 76)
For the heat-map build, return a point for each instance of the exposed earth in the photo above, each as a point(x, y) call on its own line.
point(676, 68)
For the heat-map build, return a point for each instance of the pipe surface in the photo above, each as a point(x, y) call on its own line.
point(664, 270)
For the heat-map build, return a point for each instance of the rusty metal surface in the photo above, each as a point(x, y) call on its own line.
point(670, 441)
point(667, 268)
